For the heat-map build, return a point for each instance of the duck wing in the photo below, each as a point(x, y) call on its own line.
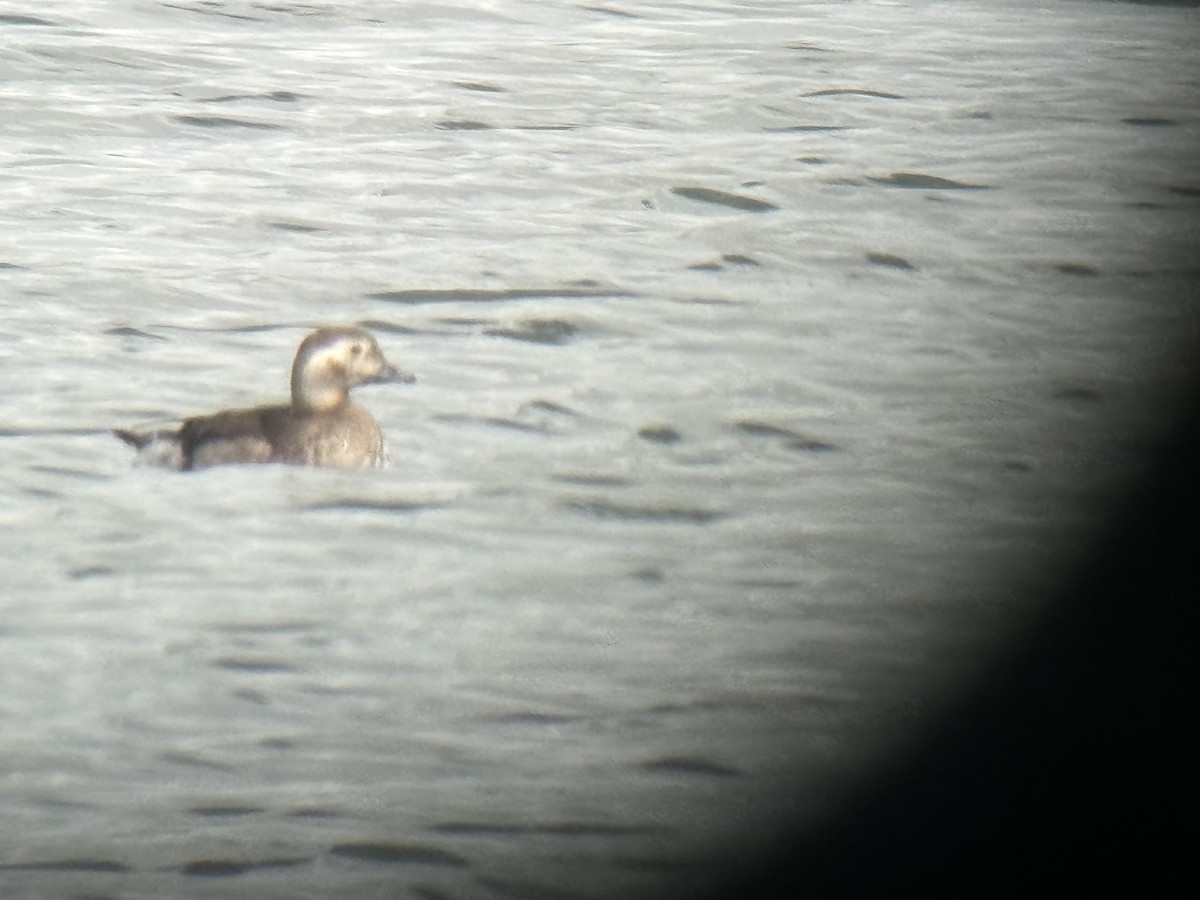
point(232, 436)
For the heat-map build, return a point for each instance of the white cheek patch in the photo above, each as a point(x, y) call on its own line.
point(326, 359)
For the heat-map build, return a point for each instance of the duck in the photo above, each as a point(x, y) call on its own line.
point(321, 426)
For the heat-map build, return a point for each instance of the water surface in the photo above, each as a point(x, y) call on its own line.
point(773, 359)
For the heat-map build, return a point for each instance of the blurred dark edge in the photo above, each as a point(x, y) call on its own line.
point(1069, 765)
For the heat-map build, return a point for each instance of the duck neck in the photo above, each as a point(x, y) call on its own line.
point(316, 395)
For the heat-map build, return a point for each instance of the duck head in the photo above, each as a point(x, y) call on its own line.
point(331, 361)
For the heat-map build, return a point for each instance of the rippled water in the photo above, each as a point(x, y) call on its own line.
point(772, 358)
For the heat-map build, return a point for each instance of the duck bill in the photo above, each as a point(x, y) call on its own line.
point(392, 375)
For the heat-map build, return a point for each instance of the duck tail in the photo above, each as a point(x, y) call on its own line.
point(133, 438)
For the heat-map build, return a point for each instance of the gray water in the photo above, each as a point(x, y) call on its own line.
point(773, 359)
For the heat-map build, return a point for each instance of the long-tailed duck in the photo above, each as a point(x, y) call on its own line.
point(322, 426)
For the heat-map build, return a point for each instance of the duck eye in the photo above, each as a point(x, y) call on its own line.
point(356, 349)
